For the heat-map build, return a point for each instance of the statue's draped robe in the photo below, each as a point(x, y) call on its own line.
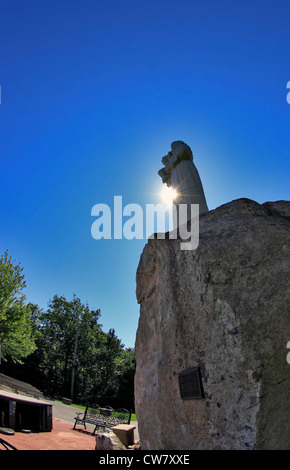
point(181, 174)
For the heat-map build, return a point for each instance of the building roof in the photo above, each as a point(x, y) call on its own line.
point(23, 398)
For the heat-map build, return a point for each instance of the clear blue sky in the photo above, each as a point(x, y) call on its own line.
point(92, 95)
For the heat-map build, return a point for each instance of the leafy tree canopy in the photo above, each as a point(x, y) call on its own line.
point(16, 326)
point(65, 351)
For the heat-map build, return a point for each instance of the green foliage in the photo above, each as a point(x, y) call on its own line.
point(104, 370)
point(64, 325)
point(16, 323)
point(63, 345)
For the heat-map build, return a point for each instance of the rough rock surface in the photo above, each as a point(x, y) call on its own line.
point(225, 308)
point(108, 441)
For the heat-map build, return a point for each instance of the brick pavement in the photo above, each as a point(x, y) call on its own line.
point(62, 436)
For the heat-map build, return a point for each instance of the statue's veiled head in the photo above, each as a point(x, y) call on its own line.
point(180, 149)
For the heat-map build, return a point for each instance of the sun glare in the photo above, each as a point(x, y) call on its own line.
point(168, 195)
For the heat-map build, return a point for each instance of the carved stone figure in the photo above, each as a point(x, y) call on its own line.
point(180, 173)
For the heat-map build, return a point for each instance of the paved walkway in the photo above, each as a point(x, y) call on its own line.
point(62, 436)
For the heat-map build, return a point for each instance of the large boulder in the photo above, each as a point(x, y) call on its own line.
point(223, 308)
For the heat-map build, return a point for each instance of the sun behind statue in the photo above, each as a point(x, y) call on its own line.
point(168, 194)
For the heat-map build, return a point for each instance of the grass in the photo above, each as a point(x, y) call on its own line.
point(133, 416)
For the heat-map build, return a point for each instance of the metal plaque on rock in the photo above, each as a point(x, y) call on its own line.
point(190, 384)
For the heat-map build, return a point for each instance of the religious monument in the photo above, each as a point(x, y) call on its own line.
point(180, 173)
point(214, 326)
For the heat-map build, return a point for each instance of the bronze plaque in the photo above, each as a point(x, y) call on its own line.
point(190, 384)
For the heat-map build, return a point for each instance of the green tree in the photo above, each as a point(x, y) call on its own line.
point(16, 326)
point(107, 389)
point(117, 367)
point(69, 330)
point(73, 344)
point(72, 349)
point(125, 371)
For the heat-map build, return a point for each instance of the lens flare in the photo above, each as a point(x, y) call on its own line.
point(168, 195)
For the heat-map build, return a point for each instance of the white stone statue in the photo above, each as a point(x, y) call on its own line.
point(180, 173)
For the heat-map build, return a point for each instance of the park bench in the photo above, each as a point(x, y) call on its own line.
point(102, 417)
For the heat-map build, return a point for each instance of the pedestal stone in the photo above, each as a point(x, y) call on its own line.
point(125, 432)
point(222, 309)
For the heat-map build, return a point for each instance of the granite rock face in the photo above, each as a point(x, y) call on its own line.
point(108, 441)
point(223, 307)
